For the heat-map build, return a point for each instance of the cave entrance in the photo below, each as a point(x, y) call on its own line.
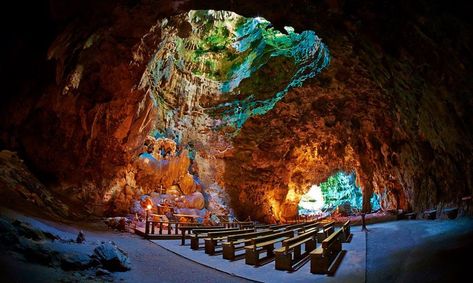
point(339, 194)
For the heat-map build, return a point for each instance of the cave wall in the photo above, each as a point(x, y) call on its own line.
point(393, 105)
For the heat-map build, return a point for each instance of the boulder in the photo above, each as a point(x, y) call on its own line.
point(102, 272)
point(80, 237)
point(112, 258)
point(75, 261)
point(118, 223)
point(27, 231)
point(40, 252)
point(8, 234)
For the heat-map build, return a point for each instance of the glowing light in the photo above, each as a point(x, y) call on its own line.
point(313, 201)
point(338, 191)
point(291, 195)
point(149, 206)
point(230, 56)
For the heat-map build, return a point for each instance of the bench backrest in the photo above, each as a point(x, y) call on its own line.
point(249, 235)
point(278, 226)
point(270, 237)
point(245, 223)
point(205, 230)
point(332, 239)
point(294, 226)
point(328, 225)
point(346, 230)
point(311, 234)
point(216, 234)
point(309, 230)
point(197, 227)
point(310, 226)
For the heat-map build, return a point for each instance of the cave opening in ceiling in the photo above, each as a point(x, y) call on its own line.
point(208, 73)
point(221, 68)
point(339, 193)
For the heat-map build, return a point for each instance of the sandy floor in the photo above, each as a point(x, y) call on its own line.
point(399, 251)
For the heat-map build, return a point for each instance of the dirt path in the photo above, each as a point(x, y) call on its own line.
point(150, 263)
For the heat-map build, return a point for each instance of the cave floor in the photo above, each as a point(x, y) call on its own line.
point(352, 268)
point(420, 251)
point(149, 262)
point(398, 251)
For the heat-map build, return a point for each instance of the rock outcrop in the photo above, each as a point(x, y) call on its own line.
point(111, 257)
point(42, 247)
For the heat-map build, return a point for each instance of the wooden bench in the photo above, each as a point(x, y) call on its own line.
point(247, 224)
point(465, 201)
point(213, 238)
point(346, 234)
point(277, 226)
point(321, 259)
point(430, 214)
point(308, 227)
point(325, 231)
point(202, 233)
point(264, 244)
point(410, 215)
point(291, 254)
point(451, 213)
point(227, 224)
point(295, 226)
point(238, 242)
point(185, 229)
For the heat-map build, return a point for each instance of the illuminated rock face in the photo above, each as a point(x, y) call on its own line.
point(393, 106)
point(212, 71)
point(215, 69)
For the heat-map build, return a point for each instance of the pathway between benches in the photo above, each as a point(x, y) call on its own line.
point(352, 268)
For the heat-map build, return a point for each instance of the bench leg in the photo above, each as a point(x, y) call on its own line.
point(210, 247)
point(283, 262)
point(251, 257)
point(194, 243)
point(297, 252)
point(270, 250)
point(318, 264)
point(229, 252)
point(310, 246)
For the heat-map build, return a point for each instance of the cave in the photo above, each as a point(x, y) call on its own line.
point(338, 194)
point(123, 120)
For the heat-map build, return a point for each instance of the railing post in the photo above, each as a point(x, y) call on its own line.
point(363, 223)
point(146, 222)
point(152, 227)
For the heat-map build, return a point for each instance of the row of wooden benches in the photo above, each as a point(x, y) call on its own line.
point(259, 240)
point(157, 227)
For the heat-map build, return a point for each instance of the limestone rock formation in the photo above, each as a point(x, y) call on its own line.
point(255, 113)
point(20, 189)
point(112, 258)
